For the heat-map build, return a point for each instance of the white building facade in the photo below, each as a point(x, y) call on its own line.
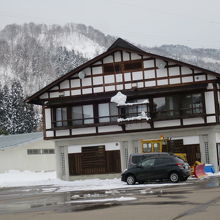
point(183, 105)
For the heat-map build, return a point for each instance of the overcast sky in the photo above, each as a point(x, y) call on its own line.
point(195, 23)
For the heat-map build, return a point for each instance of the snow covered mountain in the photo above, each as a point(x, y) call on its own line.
point(36, 54)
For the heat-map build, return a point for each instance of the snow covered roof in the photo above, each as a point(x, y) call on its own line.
point(19, 139)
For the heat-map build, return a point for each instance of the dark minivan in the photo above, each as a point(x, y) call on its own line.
point(157, 166)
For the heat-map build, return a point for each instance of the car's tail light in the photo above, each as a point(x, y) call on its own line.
point(180, 165)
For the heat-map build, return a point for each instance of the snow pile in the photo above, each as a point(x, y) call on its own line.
point(139, 117)
point(26, 178)
point(119, 99)
point(51, 184)
point(119, 199)
point(136, 103)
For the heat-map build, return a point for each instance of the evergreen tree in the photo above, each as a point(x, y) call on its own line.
point(17, 116)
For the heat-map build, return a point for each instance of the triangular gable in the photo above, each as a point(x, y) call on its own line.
point(118, 45)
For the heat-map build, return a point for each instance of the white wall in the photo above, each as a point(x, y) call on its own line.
point(16, 158)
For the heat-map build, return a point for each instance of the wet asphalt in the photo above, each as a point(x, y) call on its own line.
point(43, 199)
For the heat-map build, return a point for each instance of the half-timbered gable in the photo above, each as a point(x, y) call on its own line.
point(179, 95)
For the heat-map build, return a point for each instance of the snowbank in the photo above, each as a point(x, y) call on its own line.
point(15, 178)
point(52, 184)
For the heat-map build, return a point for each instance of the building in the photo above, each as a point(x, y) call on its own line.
point(26, 152)
point(181, 102)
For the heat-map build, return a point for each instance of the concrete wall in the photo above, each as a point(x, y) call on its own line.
point(16, 158)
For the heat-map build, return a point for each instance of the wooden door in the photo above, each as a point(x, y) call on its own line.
point(113, 161)
point(93, 160)
point(193, 153)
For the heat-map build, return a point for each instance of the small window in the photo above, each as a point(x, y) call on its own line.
point(33, 151)
point(112, 68)
point(133, 66)
point(47, 151)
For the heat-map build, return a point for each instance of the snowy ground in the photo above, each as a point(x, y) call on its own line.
point(52, 184)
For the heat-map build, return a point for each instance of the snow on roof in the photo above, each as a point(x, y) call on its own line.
point(19, 139)
point(119, 98)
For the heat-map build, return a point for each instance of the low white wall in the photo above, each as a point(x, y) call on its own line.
point(16, 158)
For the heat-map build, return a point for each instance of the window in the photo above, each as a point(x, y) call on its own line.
point(47, 151)
point(137, 109)
point(77, 116)
point(126, 67)
point(166, 106)
point(40, 151)
point(61, 117)
point(192, 104)
point(108, 112)
point(88, 114)
point(147, 147)
point(177, 105)
point(112, 68)
point(33, 151)
point(133, 66)
point(82, 115)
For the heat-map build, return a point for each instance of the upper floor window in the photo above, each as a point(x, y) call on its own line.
point(123, 66)
point(61, 117)
point(166, 106)
point(192, 104)
point(137, 109)
point(108, 112)
point(178, 105)
point(82, 115)
point(112, 68)
point(137, 65)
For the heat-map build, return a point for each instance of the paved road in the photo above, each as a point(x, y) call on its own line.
point(199, 199)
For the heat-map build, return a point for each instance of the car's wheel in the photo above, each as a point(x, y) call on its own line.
point(174, 177)
point(130, 180)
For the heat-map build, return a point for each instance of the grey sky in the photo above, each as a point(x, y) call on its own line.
point(195, 23)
